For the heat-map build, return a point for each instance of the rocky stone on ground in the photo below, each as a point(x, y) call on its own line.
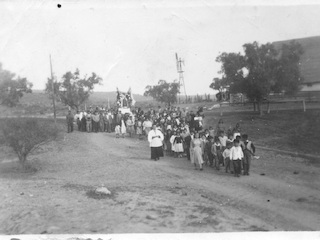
point(102, 190)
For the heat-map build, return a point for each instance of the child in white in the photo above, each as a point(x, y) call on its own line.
point(236, 155)
point(226, 156)
point(223, 140)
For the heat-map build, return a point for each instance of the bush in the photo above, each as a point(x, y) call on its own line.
point(25, 135)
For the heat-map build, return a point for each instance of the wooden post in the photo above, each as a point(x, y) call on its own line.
point(221, 112)
point(268, 108)
point(53, 96)
point(304, 105)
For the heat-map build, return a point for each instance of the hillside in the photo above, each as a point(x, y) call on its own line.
point(38, 104)
point(38, 97)
point(310, 60)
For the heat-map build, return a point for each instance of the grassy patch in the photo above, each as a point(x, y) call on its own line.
point(291, 130)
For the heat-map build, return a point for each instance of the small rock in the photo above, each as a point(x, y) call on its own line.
point(103, 190)
point(21, 193)
point(295, 172)
point(262, 174)
point(151, 217)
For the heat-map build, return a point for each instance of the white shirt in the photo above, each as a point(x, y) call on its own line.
point(226, 153)
point(76, 116)
point(223, 140)
point(236, 153)
point(147, 124)
point(155, 138)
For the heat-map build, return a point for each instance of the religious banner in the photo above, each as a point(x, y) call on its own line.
point(125, 100)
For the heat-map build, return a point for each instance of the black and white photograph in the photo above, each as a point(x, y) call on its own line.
point(146, 119)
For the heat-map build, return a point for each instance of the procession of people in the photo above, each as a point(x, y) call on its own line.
point(175, 131)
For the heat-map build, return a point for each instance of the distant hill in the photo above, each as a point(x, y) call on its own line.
point(310, 60)
point(39, 97)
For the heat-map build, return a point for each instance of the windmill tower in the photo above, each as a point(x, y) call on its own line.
point(181, 78)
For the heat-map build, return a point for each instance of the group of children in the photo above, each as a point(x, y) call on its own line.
point(232, 151)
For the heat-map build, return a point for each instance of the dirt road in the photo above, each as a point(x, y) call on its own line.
point(282, 192)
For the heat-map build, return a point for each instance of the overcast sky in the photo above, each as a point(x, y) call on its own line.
point(133, 43)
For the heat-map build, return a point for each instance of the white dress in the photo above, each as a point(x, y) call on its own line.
point(123, 127)
point(197, 157)
point(178, 147)
point(172, 145)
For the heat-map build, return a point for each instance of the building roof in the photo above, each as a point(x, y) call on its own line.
point(310, 60)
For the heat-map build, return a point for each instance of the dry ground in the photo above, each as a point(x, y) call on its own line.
point(282, 192)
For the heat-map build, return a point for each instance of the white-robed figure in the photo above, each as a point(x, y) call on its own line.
point(155, 138)
point(123, 128)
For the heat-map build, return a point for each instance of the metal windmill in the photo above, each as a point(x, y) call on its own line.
point(180, 71)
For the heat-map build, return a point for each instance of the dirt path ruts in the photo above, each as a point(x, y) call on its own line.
point(270, 200)
point(147, 196)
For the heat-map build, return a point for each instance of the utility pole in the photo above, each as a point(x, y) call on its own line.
point(53, 95)
point(181, 78)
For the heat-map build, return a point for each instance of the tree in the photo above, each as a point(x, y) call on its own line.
point(217, 84)
point(231, 68)
point(25, 135)
point(267, 70)
point(262, 63)
point(288, 74)
point(12, 90)
point(164, 92)
point(73, 90)
point(220, 85)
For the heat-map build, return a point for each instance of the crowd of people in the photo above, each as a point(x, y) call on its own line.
point(177, 132)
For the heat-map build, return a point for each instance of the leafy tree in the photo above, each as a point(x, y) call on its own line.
point(73, 90)
point(25, 135)
point(268, 70)
point(231, 69)
point(12, 90)
point(262, 64)
point(219, 84)
point(288, 73)
point(164, 92)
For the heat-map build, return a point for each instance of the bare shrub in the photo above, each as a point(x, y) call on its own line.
point(26, 135)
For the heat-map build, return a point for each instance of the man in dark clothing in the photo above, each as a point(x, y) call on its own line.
point(83, 123)
point(192, 123)
point(118, 118)
point(187, 141)
point(114, 120)
point(78, 120)
point(70, 119)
